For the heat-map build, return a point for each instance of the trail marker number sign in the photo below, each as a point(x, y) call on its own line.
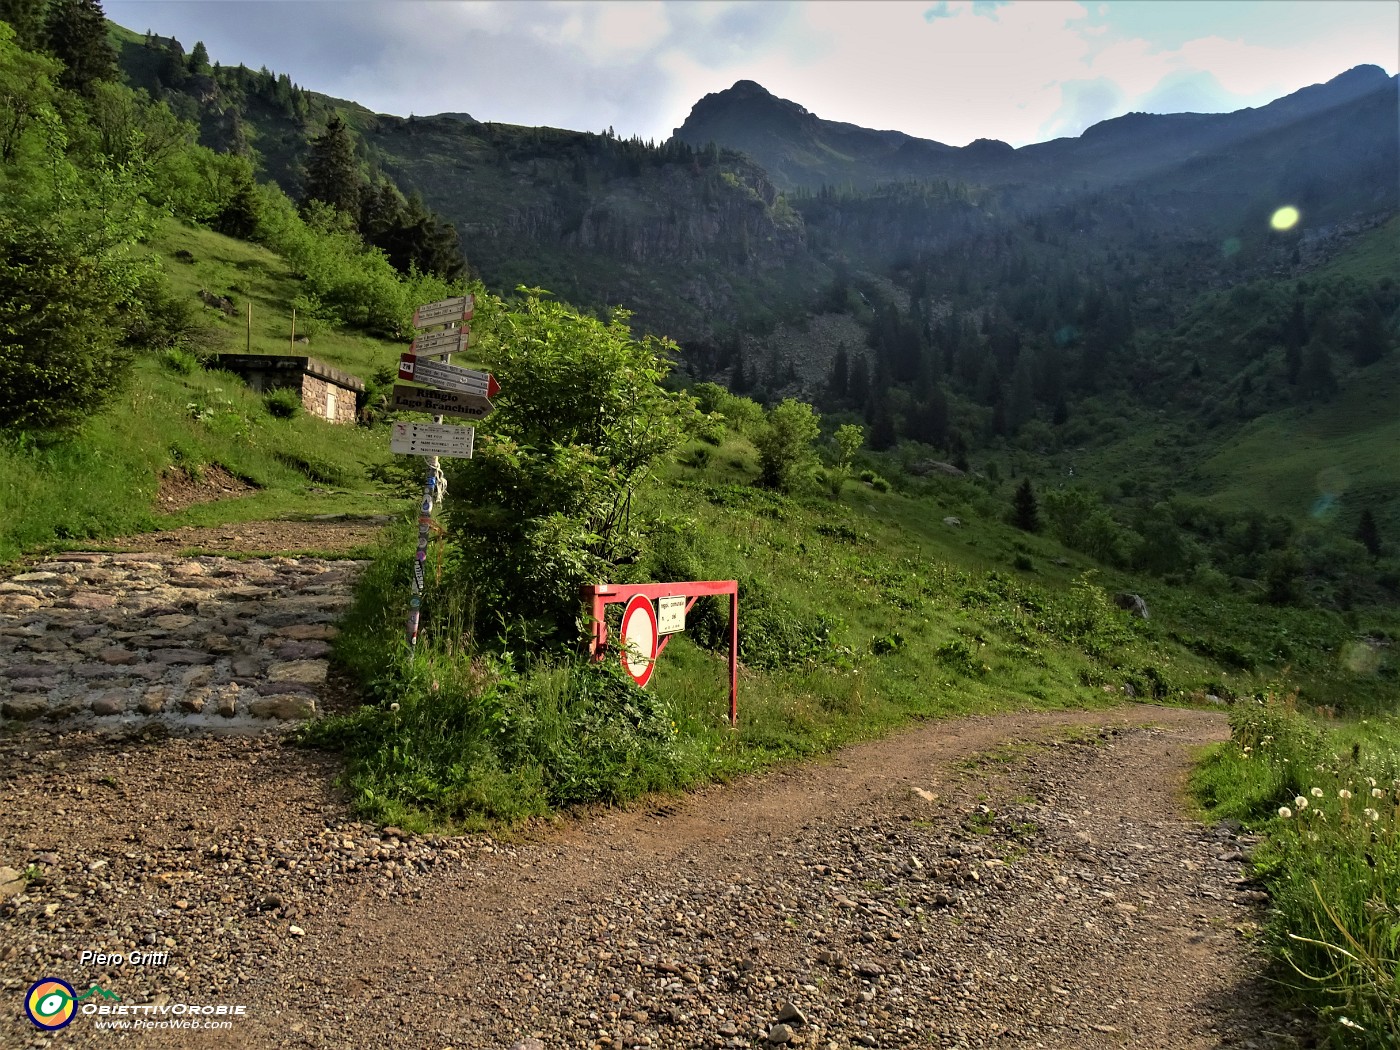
point(447, 377)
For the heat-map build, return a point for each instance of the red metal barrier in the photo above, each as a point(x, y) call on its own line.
point(599, 596)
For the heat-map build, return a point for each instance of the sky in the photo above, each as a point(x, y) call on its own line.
point(949, 70)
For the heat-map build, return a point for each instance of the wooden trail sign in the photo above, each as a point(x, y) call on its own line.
point(433, 439)
point(441, 402)
point(440, 344)
point(447, 377)
point(445, 311)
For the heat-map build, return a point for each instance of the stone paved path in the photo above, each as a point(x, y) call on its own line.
point(122, 639)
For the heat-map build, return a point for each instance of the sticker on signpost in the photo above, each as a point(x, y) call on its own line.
point(639, 639)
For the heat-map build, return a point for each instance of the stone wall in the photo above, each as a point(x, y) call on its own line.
point(326, 400)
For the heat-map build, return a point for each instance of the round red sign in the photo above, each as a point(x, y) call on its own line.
point(639, 639)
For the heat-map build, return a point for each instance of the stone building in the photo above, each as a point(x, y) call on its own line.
point(326, 393)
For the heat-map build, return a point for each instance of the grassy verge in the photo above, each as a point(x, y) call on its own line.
point(1325, 795)
point(102, 481)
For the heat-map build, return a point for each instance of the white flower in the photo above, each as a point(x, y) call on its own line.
point(1377, 793)
point(1316, 792)
point(393, 707)
point(1285, 812)
point(1371, 781)
point(1344, 793)
point(1301, 802)
point(1371, 814)
point(1347, 1022)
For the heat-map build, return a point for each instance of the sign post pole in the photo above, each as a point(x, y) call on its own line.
point(434, 484)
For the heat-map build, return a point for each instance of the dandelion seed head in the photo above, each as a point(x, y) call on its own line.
point(1285, 812)
point(1371, 814)
point(1316, 792)
point(1377, 793)
point(1343, 793)
point(1301, 802)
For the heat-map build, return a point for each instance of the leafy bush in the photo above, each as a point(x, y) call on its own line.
point(179, 361)
point(282, 404)
point(785, 443)
point(580, 420)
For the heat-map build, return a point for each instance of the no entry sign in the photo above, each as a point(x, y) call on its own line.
point(639, 639)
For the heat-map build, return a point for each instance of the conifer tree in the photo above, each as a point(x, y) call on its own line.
point(332, 174)
point(199, 59)
point(76, 32)
point(26, 18)
point(1368, 534)
point(1025, 509)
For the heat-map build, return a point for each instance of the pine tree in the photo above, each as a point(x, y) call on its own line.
point(332, 174)
point(1368, 534)
point(199, 59)
point(76, 32)
point(1025, 509)
point(26, 18)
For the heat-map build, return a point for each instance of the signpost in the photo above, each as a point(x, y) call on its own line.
point(445, 311)
point(459, 392)
point(447, 377)
point(441, 402)
point(431, 439)
point(440, 344)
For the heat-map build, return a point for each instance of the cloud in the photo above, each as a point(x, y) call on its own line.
point(1084, 103)
point(951, 70)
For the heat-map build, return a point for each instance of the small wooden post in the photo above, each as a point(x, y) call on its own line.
point(293, 344)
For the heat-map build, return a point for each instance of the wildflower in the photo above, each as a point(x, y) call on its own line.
point(1347, 1022)
point(1344, 793)
point(1285, 812)
point(1371, 814)
point(1371, 781)
point(1377, 793)
point(393, 707)
point(1316, 792)
point(1301, 802)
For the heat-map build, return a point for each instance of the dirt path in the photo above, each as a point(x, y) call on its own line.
point(955, 886)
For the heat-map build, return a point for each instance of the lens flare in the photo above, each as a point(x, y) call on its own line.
point(1285, 218)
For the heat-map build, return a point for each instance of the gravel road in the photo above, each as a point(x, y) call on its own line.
point(1028, 880)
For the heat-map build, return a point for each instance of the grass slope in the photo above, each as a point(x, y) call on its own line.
point(102, 480)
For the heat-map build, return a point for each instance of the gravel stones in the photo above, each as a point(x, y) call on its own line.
point(115, 639)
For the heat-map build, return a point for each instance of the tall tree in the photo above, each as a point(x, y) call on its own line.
point(26, 18)
point(76, 32)
point(1025, 509)
point(332, 174)
point(1368, 534)
point(199, 59)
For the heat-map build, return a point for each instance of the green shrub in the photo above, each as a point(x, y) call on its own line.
point(785, 443)
point(282, 404)
point(179, 361)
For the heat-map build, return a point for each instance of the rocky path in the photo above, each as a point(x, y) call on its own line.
point(119, 640)
point(1029, 880)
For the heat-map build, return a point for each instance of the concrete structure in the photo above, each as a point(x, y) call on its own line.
point(326, 393)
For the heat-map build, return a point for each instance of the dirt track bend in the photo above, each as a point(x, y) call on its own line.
point(938, 888)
